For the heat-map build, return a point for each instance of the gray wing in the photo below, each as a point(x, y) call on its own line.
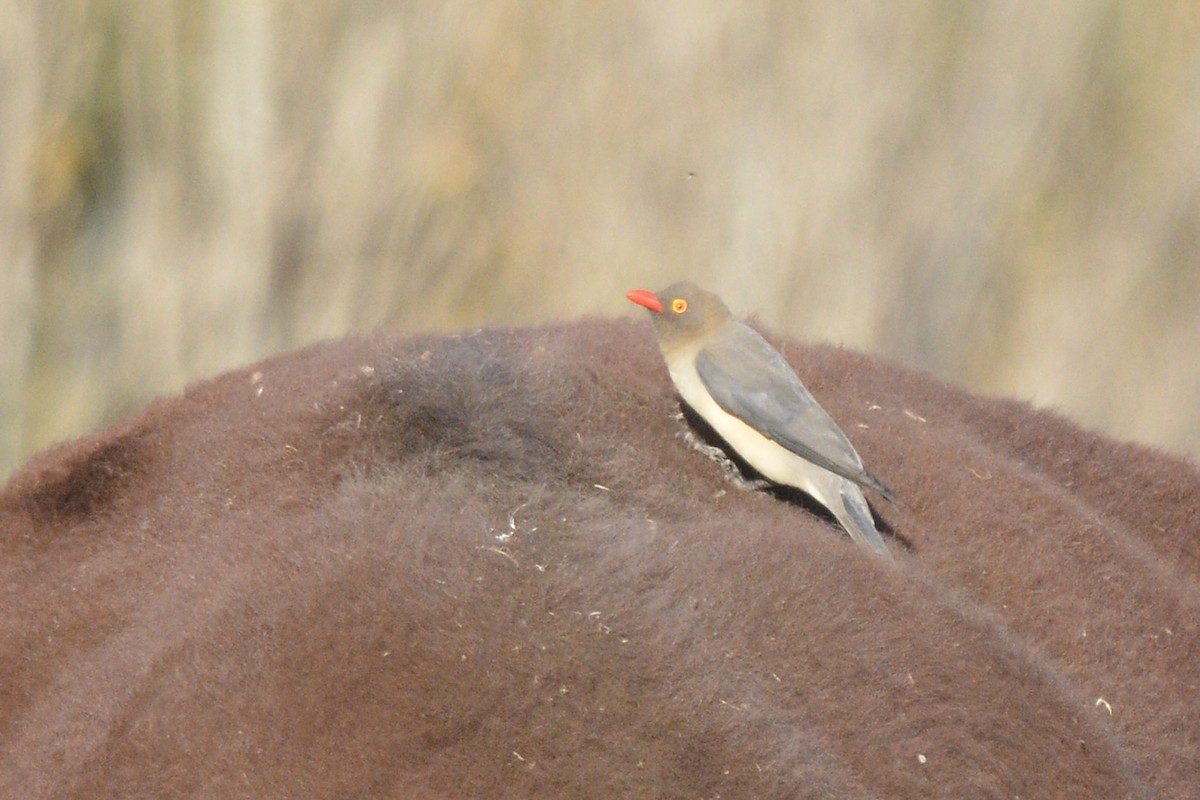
point(753, 382)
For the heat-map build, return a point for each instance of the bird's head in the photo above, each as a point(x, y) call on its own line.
point(682, 313)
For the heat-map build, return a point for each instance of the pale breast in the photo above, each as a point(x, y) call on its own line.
point(771, 459)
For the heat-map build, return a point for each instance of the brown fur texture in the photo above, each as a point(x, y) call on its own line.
point(487, 565)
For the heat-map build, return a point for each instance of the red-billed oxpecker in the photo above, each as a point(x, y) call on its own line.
point(749, 394)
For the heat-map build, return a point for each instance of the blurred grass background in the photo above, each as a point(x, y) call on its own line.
point(1005, 194)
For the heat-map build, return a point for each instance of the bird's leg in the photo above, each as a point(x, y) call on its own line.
point(728, 466)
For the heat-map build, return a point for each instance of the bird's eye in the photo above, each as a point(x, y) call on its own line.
point(679, 305)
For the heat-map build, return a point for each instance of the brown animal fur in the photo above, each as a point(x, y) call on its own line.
point(485, 565)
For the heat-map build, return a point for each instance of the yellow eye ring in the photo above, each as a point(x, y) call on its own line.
point(679, 305)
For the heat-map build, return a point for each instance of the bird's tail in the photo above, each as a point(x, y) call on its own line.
point(858, 522)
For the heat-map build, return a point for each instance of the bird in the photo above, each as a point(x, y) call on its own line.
point(751, 397)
